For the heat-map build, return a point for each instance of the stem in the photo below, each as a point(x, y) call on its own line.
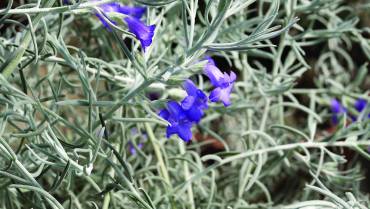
point(121, 79)
point(187, 176)
point(157, 150)
point(106, 201)
point(193, 9)
point(294, 146)
point(53, 202)
point(265, 114)
point(93, 184)
point(163, 169)
point(221, 162)
point(50, 199)
point(111, 173)
point(18, 54)
point(54, 10)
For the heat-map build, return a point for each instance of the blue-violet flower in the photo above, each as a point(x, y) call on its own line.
point(179, 122)
point(195, 102)
point(136, 12)
point(222, 81)
point(360, 105)
point(337, 109)
point(142, 32)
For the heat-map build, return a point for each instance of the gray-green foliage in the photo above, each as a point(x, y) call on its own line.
point(60, 69)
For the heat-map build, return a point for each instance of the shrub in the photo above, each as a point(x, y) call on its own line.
point(184, 104)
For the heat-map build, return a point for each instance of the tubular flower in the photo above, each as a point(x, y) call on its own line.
point(360, 105)
point(337, 110)
point(104, 22)
point(179, 122)
point(195, 102)
point(336, 107)
point(222, 81)
point(142, 32)
point(136, 12)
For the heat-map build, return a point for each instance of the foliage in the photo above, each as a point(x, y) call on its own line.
point(71, 92)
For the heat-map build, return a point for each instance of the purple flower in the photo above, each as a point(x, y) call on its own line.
point(142, 32)
point(337, 109)
point(360, 104)
point(195, 102)
point(210, 60)
point(179, 122)
point(133, 149)
point(136, 12)
point(104, 22)
point(222, 81)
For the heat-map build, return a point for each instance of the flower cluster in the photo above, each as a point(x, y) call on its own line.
point(133, 15)
point(339, 110)
point(181, 116)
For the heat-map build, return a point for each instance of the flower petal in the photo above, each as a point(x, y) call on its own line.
point(174, 108)
point(232, 76)
point(184, 132)
point(136, 12)
point(215, 95)
point(190, 87)
point(187, 102)
point(132, 149)
point(164, 114)
point(360, 104)
point(336, 107)
point(110, 7)
point(104, 21)
point(194, 114)
point(210, 60)
point(171, 130)
point(202, 99)
point(142, 32)
point(225, 95)
point(214, 74)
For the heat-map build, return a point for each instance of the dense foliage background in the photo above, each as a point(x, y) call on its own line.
point(79, 103)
